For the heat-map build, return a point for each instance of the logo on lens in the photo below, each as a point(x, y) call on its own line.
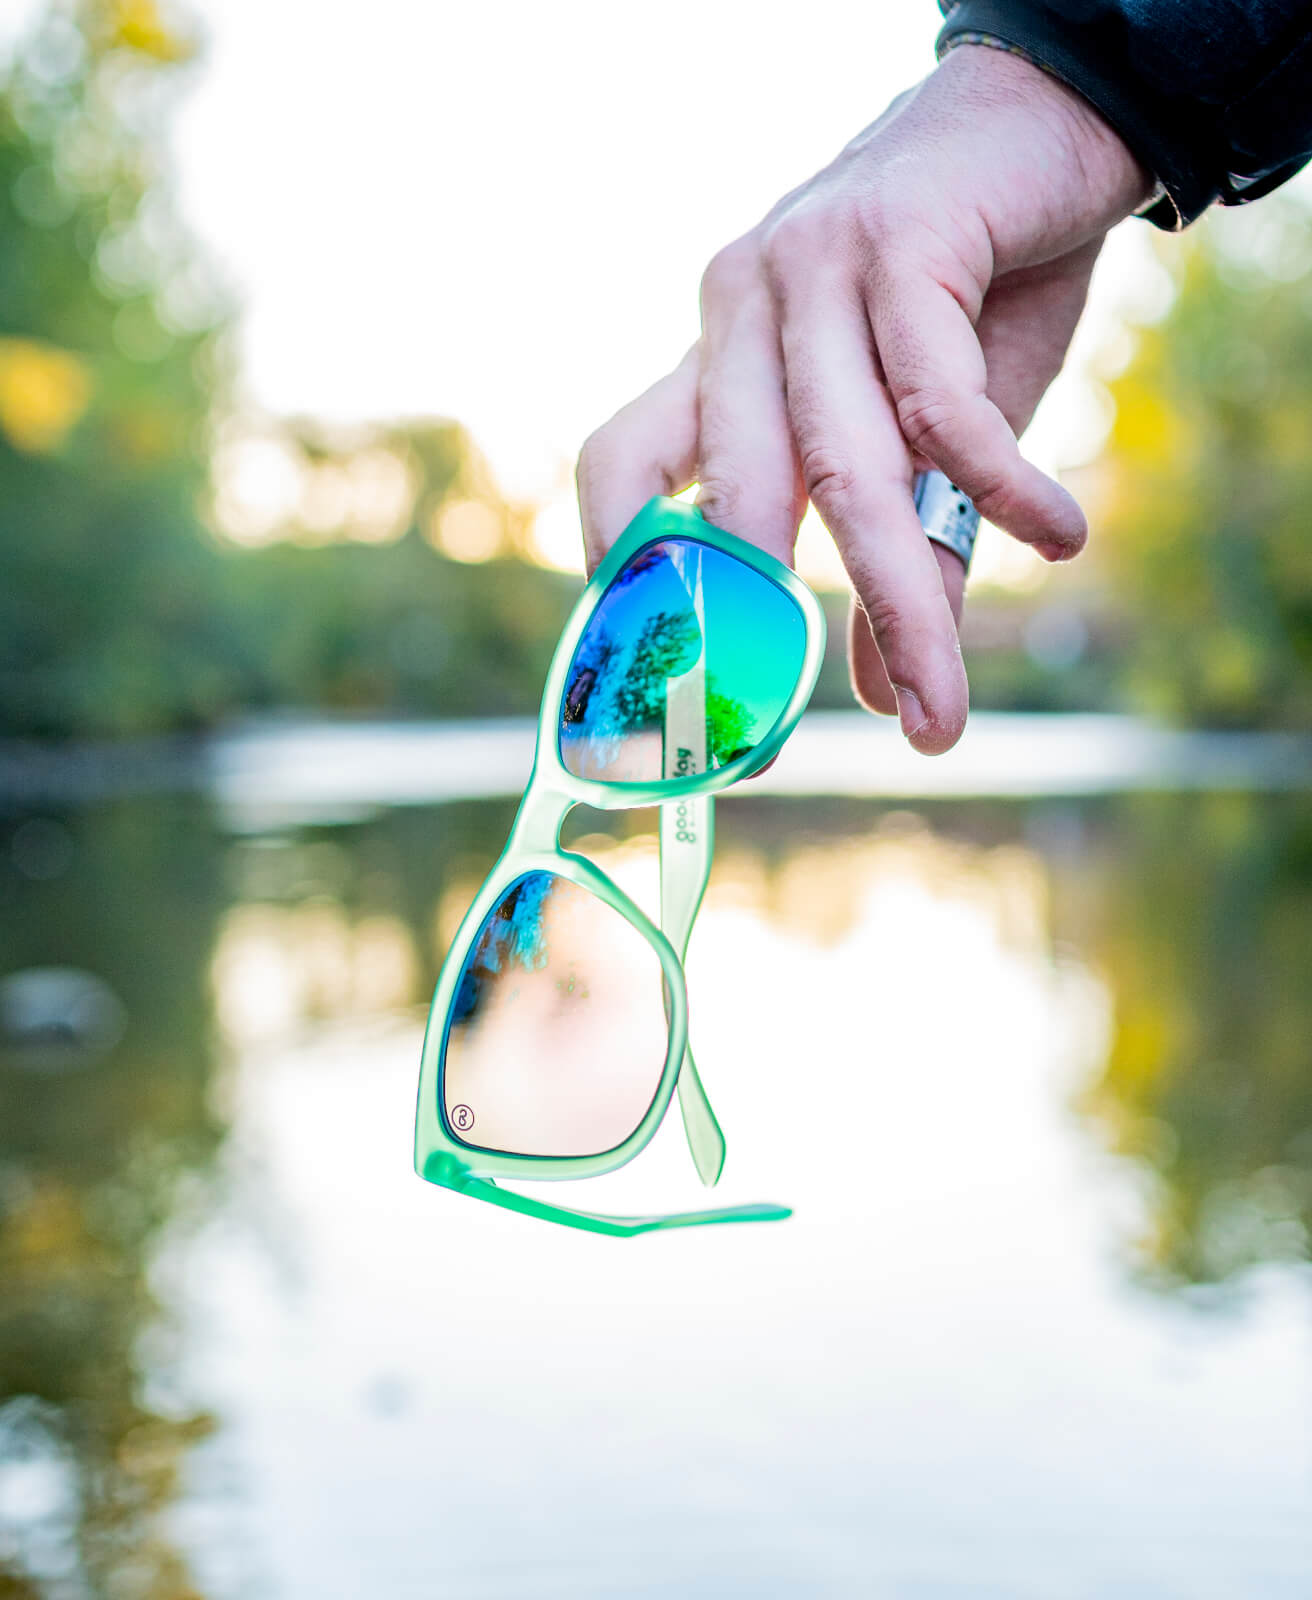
point(462, 1118)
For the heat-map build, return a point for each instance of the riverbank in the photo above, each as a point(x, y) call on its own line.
point(286, 770)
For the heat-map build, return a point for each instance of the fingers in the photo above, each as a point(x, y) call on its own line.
point(865, 665)
point(857, 472)
point(747, 469)
point(936, 373)
point(648, 448)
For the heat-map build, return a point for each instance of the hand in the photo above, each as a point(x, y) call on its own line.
point(908, 304)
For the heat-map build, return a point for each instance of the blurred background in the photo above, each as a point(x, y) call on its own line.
point(304, 310)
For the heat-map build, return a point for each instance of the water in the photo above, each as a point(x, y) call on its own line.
point(1034, 1074)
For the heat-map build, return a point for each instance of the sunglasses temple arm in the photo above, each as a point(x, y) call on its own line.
point(687, 845)
point(464, 1182)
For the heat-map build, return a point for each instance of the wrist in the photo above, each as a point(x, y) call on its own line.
point(991, 71)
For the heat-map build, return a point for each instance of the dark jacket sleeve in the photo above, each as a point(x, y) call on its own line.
point(1213, 96)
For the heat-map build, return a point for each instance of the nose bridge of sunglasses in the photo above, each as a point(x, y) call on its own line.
point(536, 828)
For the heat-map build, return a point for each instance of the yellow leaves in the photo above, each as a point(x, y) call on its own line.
point(145, 435)
point(1145, 1045)
point(1232, 669)
point(137, 25)
point(43, 392)
point(1146, 428)
point(48, 1234)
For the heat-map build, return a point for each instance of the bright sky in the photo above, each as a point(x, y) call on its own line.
point(500, 212)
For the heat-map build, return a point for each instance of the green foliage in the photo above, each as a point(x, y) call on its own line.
point(141, 596)
point(1206, 526)
point(666, 648)
point(401, 631)
point(107, 359)
point(729, 725)
point(121, 612)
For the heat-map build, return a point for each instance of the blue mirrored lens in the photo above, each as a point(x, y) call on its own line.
point(687, 663)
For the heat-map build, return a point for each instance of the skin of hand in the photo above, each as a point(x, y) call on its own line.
point(907, 305)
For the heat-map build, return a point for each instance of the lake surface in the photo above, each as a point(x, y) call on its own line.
point(1035, 1073)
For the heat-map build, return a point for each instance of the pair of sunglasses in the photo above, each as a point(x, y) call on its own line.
point(558, 1032)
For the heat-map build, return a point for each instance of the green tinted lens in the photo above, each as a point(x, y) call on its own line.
point(687, 663)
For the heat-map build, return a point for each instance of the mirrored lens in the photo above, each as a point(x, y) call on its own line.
point(687, 663)
point(558, 1032)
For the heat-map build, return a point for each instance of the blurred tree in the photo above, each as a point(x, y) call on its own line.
point(1208, 478)
point(107, 361)
point(344, 599)
point(121, 611)
point(169, 562)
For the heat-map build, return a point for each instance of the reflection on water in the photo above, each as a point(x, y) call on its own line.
point(925, 1028)
point(1197, 914)
point(97, 1157)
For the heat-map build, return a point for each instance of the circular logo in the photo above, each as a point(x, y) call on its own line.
point(462, 1118)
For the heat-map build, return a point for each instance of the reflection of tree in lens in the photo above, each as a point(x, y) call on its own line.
point(666, 648)
point(729, 727)
point(512, 936)
point(1203, 936)
point(610, 699)
point(590, 667)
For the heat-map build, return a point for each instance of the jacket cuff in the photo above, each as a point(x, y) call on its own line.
point(1095, 58)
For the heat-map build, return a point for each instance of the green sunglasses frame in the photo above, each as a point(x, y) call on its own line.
point(534, 846)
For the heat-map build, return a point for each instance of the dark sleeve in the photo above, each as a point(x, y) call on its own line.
point(1213, 96)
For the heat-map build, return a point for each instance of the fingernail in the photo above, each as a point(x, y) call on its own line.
point(910, 712)
point(1054, 552)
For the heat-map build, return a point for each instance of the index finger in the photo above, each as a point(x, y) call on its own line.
point(648, 448)
point(935, 369)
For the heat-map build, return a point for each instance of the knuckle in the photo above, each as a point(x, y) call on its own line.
point(765, 514)
point(992, 493)
point(992, 498)
point(720, 495)
point(788, 247)
point(729, 271)
point(907, 624)
point(926, 416)
point(882, 610)
point(829, 478)
point(802, 240)
point(876, 218)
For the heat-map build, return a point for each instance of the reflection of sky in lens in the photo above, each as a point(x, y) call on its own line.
point(645, 632)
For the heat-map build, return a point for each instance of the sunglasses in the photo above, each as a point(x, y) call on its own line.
point(558, 1033)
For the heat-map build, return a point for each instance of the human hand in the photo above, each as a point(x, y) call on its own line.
point(907, 305)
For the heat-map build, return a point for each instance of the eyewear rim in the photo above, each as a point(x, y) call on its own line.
point(533, 844)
